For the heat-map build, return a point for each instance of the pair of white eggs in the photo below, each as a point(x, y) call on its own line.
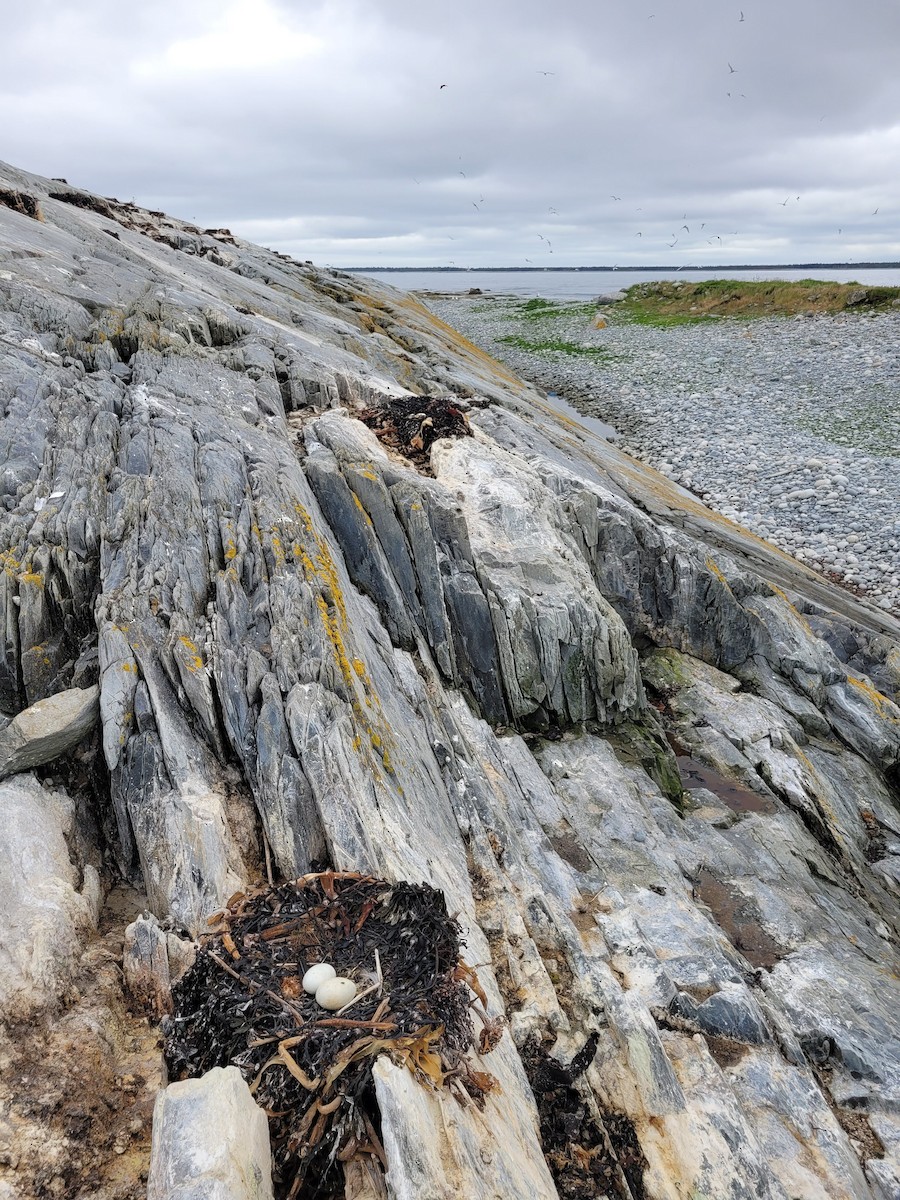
point(332, 991)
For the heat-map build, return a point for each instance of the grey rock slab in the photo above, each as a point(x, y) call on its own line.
point(48, 905)
point(306, 646)
point(210, 1141)
point(45, 730)
point(563, 650)
point(494, 1164)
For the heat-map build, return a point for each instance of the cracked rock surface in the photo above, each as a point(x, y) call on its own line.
point(653, 764)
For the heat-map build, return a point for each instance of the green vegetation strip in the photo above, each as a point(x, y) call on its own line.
point(674, 302)
point(555, 344)
point(539, 310)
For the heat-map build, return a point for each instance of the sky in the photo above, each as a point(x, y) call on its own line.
point(490, 133)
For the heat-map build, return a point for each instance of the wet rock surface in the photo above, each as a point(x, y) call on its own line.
point(313, 654)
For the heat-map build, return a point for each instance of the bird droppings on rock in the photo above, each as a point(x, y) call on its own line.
point(243, 1003)
point(412, 424)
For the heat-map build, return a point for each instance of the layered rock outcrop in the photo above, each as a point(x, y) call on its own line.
point(484, 675)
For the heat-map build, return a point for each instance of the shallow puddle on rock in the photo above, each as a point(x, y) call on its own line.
point(594, 424)
point(738, 918)
point(695, 774)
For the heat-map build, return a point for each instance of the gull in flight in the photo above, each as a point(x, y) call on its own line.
point(731, 69)
point(545, 72)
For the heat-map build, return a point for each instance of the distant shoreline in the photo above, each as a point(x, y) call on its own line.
point(804, 266)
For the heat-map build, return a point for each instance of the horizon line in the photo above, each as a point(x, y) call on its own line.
point(880, 265)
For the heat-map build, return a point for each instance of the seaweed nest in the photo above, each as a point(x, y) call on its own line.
point(243, 1003)
point(411, 424)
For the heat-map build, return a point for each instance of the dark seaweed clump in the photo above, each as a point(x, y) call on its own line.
point(242, 1003)
point(411, 424)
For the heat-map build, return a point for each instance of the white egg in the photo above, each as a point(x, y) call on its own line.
point(317, 974)
point(335, 993)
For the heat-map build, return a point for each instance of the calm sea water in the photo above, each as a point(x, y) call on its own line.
point(582, 285)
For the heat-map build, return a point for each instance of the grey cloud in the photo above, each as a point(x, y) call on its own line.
point(320, 156)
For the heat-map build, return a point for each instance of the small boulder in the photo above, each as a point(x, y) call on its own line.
point(48, 729)
point(210, 1139)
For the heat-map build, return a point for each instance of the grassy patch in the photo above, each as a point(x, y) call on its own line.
point(556, 345)
point(539, 310)
point(676, 302)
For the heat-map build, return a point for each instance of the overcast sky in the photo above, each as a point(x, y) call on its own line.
point(569, 132)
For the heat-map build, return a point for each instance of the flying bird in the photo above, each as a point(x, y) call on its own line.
point(545, 72)
point(875, 213)
point(731, 69)
point(615, 197)
point(443, 85)
point(685, 227)
point(784, 202)
point(553, 210)
point(742, 17)
point(638, 235)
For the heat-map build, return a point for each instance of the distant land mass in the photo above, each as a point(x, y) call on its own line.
point(829, 266)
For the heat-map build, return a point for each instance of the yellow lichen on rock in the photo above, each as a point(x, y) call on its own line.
point(880, 702)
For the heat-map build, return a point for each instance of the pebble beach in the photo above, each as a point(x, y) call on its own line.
point(788, 426)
